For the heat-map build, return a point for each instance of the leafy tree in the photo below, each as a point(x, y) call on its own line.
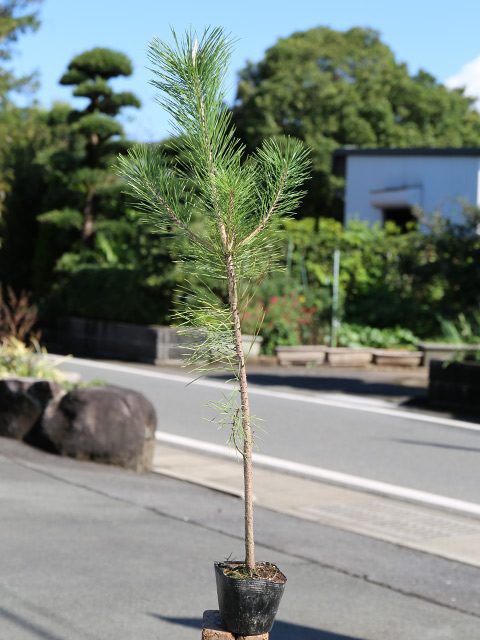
point(332, 89)
point(15, 125)
point(23, 134)
point(13, 22)
point(240, 205)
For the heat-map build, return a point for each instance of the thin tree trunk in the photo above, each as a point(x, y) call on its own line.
point(247, 442)
point(88, 211)
point(88, 218)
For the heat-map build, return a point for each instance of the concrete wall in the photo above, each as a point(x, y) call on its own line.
point(434, 182)
point(115, 340)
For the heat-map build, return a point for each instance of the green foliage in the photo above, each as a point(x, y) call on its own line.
point(17, 360)
point(461, 330)
point(84, 231)
point(283, 312)
point(373, 287)
point(240, 205)
point(64, 219)
point(332, 88)
point(83, 164)
point(450, 264)
point(23, 134)
point(20, 351)
point(388, 277)
point(354, 335)
point(113, 293)
point(97, 63)
point(15, 19)
point(238, 202)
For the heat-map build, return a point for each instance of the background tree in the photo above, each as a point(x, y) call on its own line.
point(331, 89)
point(14, 20)
point(17, 141)
point(24, 133)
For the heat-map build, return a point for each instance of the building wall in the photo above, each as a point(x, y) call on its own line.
point(441, 181)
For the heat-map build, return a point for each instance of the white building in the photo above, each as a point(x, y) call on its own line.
point(385, 184)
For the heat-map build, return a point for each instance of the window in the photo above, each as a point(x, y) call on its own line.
point(401, 216)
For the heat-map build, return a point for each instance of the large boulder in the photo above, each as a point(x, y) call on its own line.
point(18, 410)
point(22, 401)
point(107, 424)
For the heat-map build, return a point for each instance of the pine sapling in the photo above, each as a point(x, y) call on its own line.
point(239, 202)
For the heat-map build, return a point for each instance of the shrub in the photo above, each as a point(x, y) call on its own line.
point(461, 330)
point(354, 335)
point(21, 361)
point(290, 315)
point(17, 316)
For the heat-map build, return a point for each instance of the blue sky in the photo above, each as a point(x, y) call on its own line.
point(439, 36)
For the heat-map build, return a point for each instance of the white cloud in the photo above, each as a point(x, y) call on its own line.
point(468, 77)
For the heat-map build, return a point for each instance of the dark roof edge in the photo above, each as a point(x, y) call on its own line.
point(413, 151)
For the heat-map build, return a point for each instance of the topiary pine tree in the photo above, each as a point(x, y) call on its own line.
point(90, 72)
point(241, 205)
point(83, 204)
point(85, 187)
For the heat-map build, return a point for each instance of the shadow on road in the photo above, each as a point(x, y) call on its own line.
point(281, 630)
point(340, 384)
point(440, 445)
point(33, 630)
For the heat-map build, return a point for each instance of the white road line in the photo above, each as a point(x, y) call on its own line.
point(317, 473)
point(349, 403)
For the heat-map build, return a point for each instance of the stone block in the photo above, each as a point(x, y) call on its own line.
point(213, 630)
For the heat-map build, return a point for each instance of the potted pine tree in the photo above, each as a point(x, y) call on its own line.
point(240, 204)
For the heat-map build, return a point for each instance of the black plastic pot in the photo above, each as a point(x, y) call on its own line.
point(247, 606)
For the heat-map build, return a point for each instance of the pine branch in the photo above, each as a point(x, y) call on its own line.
point(271, 210)
point(177, 220)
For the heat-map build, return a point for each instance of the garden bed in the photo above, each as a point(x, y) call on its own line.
point(347, 357)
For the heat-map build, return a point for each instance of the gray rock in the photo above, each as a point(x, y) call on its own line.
point(18, 409)
point(107, 424)
point(22, 401)
point(43, 391)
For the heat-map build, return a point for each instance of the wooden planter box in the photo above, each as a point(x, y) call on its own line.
point(302, 354)
point(397, 358)
point(455, 385)
point(345, 357)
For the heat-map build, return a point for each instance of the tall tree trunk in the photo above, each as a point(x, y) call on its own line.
point(247, 441)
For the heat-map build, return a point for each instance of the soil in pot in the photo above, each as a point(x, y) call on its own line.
point(248, 602)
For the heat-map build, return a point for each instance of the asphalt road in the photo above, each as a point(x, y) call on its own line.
point(91, 552)
point(366, 439)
